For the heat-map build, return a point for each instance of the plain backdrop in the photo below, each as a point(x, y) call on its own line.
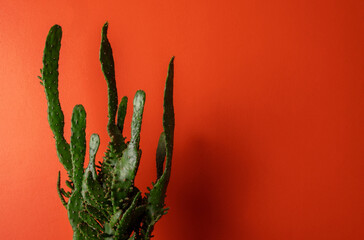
point(269, 104)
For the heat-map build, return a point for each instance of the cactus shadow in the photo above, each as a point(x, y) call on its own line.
point(202, 204)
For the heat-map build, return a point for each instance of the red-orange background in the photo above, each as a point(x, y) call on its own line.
point(269, 112)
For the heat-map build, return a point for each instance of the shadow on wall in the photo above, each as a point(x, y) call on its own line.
point(206, 190)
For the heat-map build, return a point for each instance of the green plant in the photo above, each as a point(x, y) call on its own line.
point(102, 201)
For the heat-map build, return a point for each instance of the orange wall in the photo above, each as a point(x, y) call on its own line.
point(269, 112)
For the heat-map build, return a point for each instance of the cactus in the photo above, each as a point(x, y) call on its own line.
point(102, 201)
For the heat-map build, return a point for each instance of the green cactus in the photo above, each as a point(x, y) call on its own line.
point(102, 201)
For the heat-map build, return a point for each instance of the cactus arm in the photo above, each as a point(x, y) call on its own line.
point(94, 146)
point(126, 168)
point(78, 149)
point(91, 189)
point(161, 154)
point(115, 147)
point(139, 101)
point(49, 80)
point(59, 190)
point(168, 126)
point(158, 192)
point(168, 117)
point(78, 144)
point(107, 66)
point(122, 113)
point(90, 172)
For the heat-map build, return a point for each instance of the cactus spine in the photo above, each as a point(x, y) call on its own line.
point(102, 201)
